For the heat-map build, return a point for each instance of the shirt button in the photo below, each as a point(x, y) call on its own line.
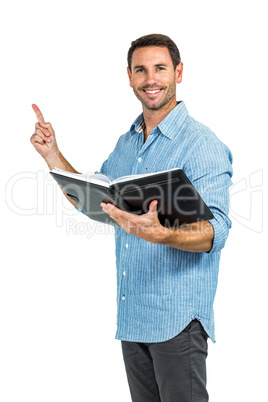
point(126, 245)
point(124, 273)
point(139, 159)
point(123, 298)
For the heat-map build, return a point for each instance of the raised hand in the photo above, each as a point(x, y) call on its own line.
point(43, 139)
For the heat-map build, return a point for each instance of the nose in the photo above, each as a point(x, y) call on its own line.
point(150, 77)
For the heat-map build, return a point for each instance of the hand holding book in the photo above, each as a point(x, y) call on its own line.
point(194, 237)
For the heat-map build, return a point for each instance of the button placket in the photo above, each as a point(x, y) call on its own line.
point(123, 297)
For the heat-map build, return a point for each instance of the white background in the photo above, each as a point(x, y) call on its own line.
point(57, 284)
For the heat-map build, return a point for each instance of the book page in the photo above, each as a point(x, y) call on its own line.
point(96, 178)
point(139, 176)
point(102, 180)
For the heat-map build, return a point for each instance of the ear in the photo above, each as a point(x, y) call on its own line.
point(178, 73)
point(129, 77)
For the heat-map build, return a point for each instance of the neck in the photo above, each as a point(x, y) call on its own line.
point(153, 117)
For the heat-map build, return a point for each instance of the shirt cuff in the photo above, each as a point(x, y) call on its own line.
point(221, 231)
point(80, 210)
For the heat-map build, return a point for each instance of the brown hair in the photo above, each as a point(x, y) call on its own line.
point(155, 40)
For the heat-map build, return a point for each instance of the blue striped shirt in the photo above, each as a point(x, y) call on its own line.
point(160, 289)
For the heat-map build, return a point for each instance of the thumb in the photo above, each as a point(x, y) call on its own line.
point(153, 206)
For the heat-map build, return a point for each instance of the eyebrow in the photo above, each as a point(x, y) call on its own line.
point(156, 65)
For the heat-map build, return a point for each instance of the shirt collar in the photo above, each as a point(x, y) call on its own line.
point(169, 126)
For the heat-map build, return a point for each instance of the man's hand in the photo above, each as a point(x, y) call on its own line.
point(193, 237)
point(44, 141)
point(43, 138)
point(146, 226)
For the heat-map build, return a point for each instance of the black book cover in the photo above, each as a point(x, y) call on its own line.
point(178, 200)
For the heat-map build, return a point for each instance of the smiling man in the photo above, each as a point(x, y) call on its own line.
point(166, 277)
point(153, 77)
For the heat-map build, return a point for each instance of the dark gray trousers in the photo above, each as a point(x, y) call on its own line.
point(171, 371)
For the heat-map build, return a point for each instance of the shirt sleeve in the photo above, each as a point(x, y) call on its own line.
point(209, 168)
point(79, 209)
point(104, 169)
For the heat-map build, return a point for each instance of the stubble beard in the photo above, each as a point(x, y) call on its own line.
point(167, 98)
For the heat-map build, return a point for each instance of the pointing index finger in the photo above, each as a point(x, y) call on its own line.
point(38, 113)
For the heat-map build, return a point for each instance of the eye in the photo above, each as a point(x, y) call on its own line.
point(139, 70)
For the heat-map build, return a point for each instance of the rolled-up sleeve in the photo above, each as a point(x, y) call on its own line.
point(209, 167)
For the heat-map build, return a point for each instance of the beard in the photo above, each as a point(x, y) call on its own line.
point(163, 101)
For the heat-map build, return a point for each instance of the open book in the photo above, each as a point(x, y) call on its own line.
point(101, 179)
point(178, 200)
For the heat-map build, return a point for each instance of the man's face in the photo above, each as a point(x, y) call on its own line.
point(153, 78)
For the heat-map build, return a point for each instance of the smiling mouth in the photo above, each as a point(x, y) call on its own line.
point(152, 91)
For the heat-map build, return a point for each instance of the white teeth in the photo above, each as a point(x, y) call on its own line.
point(153, 92)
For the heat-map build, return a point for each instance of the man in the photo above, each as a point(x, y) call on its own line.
point(167, 277)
